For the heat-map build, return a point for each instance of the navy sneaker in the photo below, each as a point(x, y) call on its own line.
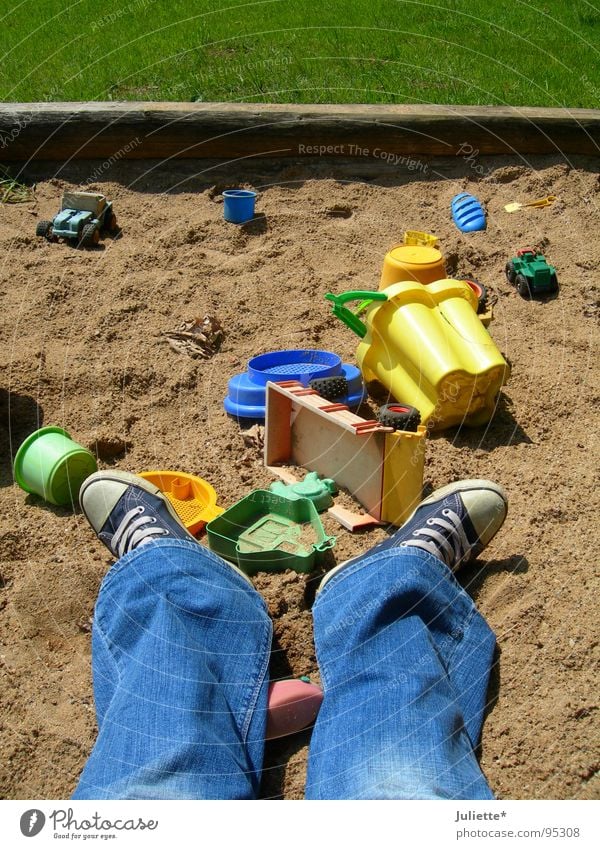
point(127, 511)
point(454, 524)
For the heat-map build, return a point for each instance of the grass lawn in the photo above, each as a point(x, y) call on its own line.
point(537, 53)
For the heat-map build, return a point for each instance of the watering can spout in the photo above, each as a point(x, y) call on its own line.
point(350, 318)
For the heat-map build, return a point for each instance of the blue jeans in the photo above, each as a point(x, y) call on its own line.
point(180, 650)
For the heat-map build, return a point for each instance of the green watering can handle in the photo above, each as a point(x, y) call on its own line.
point(350, 318)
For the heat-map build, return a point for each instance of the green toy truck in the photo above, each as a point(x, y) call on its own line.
point(81, 218)
point(531, 274)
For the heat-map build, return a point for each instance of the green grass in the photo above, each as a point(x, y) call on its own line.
point(11, 190)
point(537, 53)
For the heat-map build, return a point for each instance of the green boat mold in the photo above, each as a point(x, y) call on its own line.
point(265, 532)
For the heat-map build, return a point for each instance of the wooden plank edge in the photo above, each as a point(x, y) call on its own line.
point(352, 521)
point(148, 130)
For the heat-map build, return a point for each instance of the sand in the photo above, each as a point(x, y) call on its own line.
point(82, 349)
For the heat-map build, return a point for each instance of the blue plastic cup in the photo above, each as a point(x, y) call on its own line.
point(238, 205)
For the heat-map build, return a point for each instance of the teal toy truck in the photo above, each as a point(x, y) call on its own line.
point(531, 274)
point(81, 218)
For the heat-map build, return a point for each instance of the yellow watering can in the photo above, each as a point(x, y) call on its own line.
point(429, 349)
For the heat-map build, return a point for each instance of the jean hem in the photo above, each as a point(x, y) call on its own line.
point(378, 557)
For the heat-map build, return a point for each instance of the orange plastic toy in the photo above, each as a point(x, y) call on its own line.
point(193, 498)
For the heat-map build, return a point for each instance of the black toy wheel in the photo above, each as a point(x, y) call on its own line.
point(510, 272)
point(400, 417)
point(90, 235)
point(110, 221)
point(43, 228)
point(522, 284)
point(330, 388)
point(481, 292)
point(553, 284)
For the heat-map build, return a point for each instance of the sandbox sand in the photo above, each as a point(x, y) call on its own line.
point(82, 349)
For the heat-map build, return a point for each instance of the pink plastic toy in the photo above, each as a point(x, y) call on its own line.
point(293, 705)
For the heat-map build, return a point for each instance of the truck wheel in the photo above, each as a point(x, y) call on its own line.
point(553, 284)
point(510, 272)
point(110, 222)
point(43, 228)
point(481, 292)
point(522, 284)
point(90, 235)
point(330, 388)
point(400, 417)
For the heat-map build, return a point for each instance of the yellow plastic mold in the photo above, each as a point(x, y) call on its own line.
point(418, 237)
point(415, 262)
point(193, 498)
point(427, 346)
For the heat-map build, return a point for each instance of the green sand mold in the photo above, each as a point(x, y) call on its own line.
point(319, 490)
point(49, 463)
point(269, 533)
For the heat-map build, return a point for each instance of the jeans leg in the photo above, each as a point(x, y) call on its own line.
point(180, 656)
point(405, 660)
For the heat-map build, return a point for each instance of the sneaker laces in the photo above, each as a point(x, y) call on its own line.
point(134, 531)
point(452, 547)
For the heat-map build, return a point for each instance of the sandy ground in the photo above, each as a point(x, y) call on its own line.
point(82, 349)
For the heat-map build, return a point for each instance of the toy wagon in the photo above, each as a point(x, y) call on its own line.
point(81, 218)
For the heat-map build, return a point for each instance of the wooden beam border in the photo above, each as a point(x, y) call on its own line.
point(226, 131)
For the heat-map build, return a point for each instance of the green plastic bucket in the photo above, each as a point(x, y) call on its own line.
point(49, 463)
